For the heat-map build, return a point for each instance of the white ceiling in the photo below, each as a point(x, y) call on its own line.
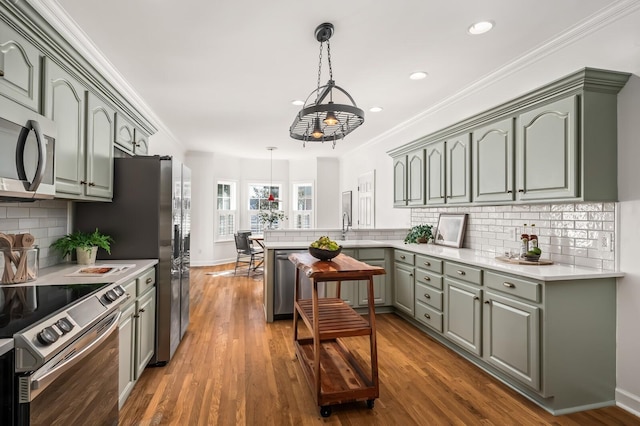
point(220, 75)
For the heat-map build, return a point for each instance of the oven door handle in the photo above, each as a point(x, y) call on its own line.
point(45, 376)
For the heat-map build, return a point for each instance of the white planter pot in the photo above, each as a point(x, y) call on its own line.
point(86, 257)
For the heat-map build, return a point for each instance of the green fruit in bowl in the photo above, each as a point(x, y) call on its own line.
point(325, 243)
point(536, 251)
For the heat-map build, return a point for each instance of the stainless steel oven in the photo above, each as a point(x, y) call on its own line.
point(65, 362)
point(27, 144)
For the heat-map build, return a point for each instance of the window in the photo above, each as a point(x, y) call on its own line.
point(302, 205)
point(259, 201)
point(226, 211)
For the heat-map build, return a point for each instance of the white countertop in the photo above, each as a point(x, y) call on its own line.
point(555, 272)
point(59, 274)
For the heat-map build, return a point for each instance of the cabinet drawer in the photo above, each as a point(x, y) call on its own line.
point(130, 292)
point(463, 272)
point(428, 278)
point(146, 281)
point(404, 257)
point(429, 295)
point(516, 286)
point(429, 316)
point(372, 253)
point(429, 263)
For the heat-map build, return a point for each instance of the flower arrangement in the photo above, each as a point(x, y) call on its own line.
point(270, 217)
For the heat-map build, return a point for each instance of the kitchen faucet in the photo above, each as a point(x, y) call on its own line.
point(345, 229)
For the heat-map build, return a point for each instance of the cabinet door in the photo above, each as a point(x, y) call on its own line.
point(65, 104)
point(415, 178)
point(349, 292)
point(125, 133)
point(126, 371)
point(511, 333)
point(458, 156)
point(142, 143)
point(403, 291)
point(436, 191)
point(378, 287)
point(19, 68)
point(547, 151)
point(492, 153)
point(145, 329)
point(462, 315)
point(400, 181)
point(100, 125)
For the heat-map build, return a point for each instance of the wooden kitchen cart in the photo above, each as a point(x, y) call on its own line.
point(332, 371)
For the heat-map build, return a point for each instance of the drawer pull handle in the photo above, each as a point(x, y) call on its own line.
point(427, 278)
point(402, 257)
point(427, 263)
point(427, 316)
point(509, 285)
point(460, 272)
point(149, 280)
point(427, 296)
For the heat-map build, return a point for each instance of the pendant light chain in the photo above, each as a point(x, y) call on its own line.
point(319, 72)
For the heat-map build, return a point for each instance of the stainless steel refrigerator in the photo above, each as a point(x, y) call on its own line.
point(150, 218)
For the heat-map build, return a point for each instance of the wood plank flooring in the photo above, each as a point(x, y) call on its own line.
point(232, 368)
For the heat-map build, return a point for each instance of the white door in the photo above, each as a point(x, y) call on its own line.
point(366, 200)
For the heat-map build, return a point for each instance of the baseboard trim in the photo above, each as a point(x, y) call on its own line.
point(628, 401)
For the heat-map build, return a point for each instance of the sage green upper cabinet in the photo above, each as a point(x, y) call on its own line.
point(415, 178)
point(400, 181)
point(458, 170)
point(547, 145)
point(65, 104)
point(436, 191)
point(19, 68)
point(493, 162)
point(125, 133)
point(141, 143)
point(100, 128)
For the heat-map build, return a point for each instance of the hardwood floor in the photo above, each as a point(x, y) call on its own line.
point(232, 368)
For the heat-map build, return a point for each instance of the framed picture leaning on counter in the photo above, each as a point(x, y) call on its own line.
point(450, 229)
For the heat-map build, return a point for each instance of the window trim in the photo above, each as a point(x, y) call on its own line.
point(234, 211)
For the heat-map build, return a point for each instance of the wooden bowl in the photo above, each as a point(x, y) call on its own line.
point(531, 258)
point(324, 254)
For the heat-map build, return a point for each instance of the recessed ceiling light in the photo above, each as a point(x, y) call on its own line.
point(297, 102)
point(375, 109)
point(480, 27)
point(418, 75)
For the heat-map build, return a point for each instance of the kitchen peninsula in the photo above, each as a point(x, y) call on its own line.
point(548, 331)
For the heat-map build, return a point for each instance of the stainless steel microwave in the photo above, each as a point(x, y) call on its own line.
point(27, 154)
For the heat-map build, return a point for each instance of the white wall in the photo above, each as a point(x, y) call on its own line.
point(328, 193)
point(163, 143)
point(584, 47)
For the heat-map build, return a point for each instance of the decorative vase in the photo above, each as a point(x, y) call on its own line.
point(86, 257)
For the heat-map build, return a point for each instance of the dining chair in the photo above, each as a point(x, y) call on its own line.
point(246, 254)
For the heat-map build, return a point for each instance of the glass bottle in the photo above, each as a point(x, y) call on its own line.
point(524, 241)
point(533, 238)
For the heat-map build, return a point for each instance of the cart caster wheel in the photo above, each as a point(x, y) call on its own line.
point(370, 403)
point(325, 411)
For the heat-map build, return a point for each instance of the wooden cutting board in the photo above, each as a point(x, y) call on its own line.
point(524, 262)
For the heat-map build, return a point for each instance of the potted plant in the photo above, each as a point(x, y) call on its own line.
point(84, 244)
point(270, 217)
point(419, 234)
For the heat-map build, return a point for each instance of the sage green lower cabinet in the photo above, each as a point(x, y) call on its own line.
point(553, 341)
point(511, 337)
point(137, 331)
point(463, 318)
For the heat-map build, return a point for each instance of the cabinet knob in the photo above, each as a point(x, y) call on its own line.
point(402, 257)
point(427, 296)
point(460, 272)
point(520, 190)
point(476, 298)
point(92, 184)
point(509, 285)
point(427, 263)
point(1, 73)
point(136, 316)
point(487, 302)
point(509, 191)
point(141, 310)
point(83, 182)
point(427, 316)
point(410, 275)
point(149, 280)
point(427, 278)
point(128, 296)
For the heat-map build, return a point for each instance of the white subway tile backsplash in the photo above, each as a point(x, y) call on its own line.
point(568, 233)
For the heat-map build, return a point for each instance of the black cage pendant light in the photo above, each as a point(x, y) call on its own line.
point(320, 119)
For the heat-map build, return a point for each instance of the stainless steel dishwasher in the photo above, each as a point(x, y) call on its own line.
point(284, 282)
